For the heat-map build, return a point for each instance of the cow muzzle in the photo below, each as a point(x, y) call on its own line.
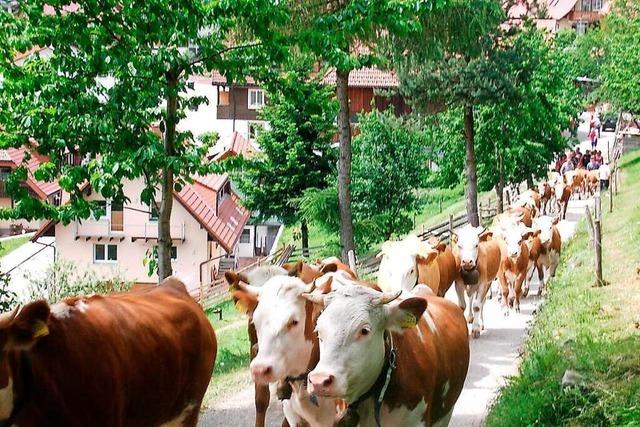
point(321, 384)
point(468, 264)
point(262, 373)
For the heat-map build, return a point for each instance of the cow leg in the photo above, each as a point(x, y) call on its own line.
point(542, 285)
point(564, 210)
point(262, 393)
point(460, 291)
point(472, 292)
point(518, 290)
point(504, 291)
point(477, 306)
point(555, 260)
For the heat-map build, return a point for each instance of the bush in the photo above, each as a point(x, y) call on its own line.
point(63, 279)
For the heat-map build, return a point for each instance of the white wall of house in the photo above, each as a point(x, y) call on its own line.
point(191, 251)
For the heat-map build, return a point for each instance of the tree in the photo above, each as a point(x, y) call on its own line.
point(117, 69)
point(296, 150)
point(389, 166)
point(621, 46)
point(460, 62)
point(344, 33)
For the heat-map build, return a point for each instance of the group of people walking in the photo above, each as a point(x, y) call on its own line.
point(591, 160)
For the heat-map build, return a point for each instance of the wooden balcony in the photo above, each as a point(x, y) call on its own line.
point(114, 229)
point(149, 231)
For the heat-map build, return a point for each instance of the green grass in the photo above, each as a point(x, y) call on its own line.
point(233, 351)
point(8, 246)
point(594, 331)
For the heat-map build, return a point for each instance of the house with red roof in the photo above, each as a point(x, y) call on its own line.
point(207, 222)
point(556, 15)
point(10, 159)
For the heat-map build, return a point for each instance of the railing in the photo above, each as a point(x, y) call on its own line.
point(213, 292)
point(370, 265)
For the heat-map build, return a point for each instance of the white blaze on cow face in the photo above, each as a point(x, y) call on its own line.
point(466, 241)
point(351, 330)
point(279, 319)
point(399, 265)
point(545, 225)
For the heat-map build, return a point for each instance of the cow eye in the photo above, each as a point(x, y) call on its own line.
point(366, 330)
point(292, 323)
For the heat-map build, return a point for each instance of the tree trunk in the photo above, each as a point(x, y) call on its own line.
point(530, 184)
point(471, 191)
point(500, 186)
point(166, 184)
point(304, 232)
point(344, 165)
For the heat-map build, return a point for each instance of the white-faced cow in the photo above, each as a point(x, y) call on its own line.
point(412, 261)
point(479, 257)
point(550, 248)
point(515, 265)
point(142, 358)
point(396, 362)
point(562, 194)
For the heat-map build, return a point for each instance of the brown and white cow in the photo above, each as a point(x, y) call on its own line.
point(550, 249)
point(142, 358)
point(479, 257)
point(562, 195)
point(280, 353)
point(514, 267)
point(593, 182)
point(575, 179)
point(546, 195)
point(411, 261)
point(410, 354)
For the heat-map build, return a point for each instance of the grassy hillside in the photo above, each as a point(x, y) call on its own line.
point(594, 332)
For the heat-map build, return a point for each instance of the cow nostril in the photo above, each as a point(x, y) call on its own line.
point(328, 381)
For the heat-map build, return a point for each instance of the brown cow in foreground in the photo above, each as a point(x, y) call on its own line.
point(479, 257)
point(420, 343)
point(142, 358)
point(515, 265)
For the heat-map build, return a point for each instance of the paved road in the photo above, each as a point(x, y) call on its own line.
point(494, 356)
point(37, 265)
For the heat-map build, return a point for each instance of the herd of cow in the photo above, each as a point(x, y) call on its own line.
point(338, 349)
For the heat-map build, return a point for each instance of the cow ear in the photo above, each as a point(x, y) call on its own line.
point(454, 239)
point(294, 269)
point(246, 302)
point(28, 325)
point(405, 313)
point(441, 246)
point(555, 220)
point(317, 298)
point(485, 236)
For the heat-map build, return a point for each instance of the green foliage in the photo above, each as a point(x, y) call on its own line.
point(296, 150)
point(11, 245)
point(590, 330)
point(63, 280)
point(209, 138)
point(112, 68)
point(8, 298)
point(621, 53)
point(389, 166)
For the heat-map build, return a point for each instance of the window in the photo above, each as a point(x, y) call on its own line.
point(223, 96)
point(596, 5)
point(581, 27)
point(254, 130)
point(174, 252)
point(105, 253)
point(586, 5)
point(245, 237)
point(256, 99)
point(153, 216)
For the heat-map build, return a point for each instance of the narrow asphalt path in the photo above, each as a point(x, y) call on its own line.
point(29, 260)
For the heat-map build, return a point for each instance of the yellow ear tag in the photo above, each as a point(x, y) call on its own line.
point(40, 329)
point(241, 307)
point(408, 321)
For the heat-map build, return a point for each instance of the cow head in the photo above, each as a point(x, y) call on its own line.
point(19, 330)
point(545, 224)
point(351, 330)
point(283, 323)
point(466, 241)
point(514, 235)
point(400, 260)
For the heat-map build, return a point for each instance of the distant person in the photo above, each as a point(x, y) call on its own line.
point(604, 173)
point(576, 158)
point(567, 165)
point(593, 164)
point(586, 158)
point(561, 159)
point(597, 124)
point(593, 136)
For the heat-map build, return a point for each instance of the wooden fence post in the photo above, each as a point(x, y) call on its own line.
point(598, 241)
point(590, 229)
point(352, 261)
point(440, 203)
point(450, 224)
